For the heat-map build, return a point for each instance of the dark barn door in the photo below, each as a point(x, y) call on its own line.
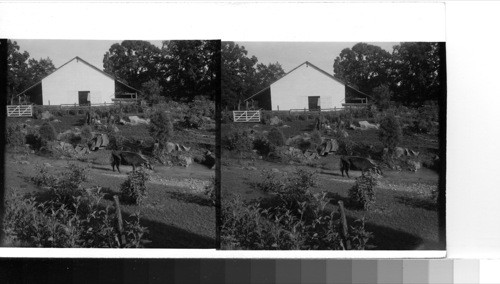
point(313, 103)
point(83, 98)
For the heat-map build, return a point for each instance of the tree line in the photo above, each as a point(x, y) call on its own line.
point(409, 76)
point(179, 70)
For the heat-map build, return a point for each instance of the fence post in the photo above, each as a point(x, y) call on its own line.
point(120, 221)
point(343, 219)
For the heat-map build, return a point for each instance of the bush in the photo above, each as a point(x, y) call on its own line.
point(161, 127)
point(237, 140)
point(390, 132)
point(262, 145)
point(316, 137)
point(63, 188)
point(362, 194)
point(276, 137)
point(309, 226)
point(133, 190)
point(28, 222)
point(14, 135)
point(47, 132)
point(86, 133)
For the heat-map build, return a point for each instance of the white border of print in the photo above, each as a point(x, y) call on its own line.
point(234, 21)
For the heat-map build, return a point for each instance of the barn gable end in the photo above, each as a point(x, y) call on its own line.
point(75, 80)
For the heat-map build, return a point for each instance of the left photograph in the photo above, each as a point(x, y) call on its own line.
point(111, 144)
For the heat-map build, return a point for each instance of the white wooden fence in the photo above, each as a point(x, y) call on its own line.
point(246, 116)
point(20, 111)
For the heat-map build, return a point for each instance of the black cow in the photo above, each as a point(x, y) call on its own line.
point(128, 158)
point(357, 163)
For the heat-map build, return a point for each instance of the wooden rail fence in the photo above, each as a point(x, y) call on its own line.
point(246, 116)
point(19, 110)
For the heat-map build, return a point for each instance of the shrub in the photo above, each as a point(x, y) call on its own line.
point(14, 135)
point(237, 140)
point(161, 127)
point(310, 226)
point(84, 223)
point(390, 132)
point(86, 133)
point(262, 145)
point(382, 96)
point(47, 132)
point(133, 190)
point(72, 112)
point(34, 140)
point(276, 137)
point(362, 194)
point(152, 91)
point(316, 137)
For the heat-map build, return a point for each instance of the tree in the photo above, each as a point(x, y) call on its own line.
point(17, 74)
point(192, 67)
point(238, 74)
point(23, 72)
point(364, 66)
point(152, 91)
point(382, 96)
point(39, 69)
point(390, 133)
point(133, 61)
point(268, 74)
point(415, 72)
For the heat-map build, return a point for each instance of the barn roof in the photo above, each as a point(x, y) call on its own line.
point(90, 65)
point(307, 63)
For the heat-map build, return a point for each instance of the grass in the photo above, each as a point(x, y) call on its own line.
point(176, 216)
point(403, 216)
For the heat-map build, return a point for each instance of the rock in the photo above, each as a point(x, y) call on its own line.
point(251, 168)
point(275, 170)
point(46, 115)
point(25, 162)
point(135, 120)
point(274, 120)
point(292, 140)
point(186, 161)
point(398, 152)
point(105, 140)
point(414, 165)
point(170, 147)
point(414, 153)
point(66, 146)
point(366, 125)
point(256, 126)
point(286, 126)
point(184, 148)
point(56, 121)
point(47, 165)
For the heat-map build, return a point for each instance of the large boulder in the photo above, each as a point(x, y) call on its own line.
point(170, 147)
point(46, 115)
point(398, 152)
point(275, 121)
point(135, 120)
point(414, 165)
point(366, 125)
point(186, 161)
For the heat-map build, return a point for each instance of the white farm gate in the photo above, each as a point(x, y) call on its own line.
point(246, 116)
point(20, 111)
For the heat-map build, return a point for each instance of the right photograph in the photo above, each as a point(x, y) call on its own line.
point(333, 146)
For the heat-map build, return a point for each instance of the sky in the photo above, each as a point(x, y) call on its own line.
point(288, 54)
point(61, 51)
point(292, 54)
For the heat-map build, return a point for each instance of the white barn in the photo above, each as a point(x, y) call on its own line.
point(306, 87)
point(75, 82)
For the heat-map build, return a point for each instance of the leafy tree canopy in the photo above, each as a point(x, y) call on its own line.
point(242, 76)
point(24, 71)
